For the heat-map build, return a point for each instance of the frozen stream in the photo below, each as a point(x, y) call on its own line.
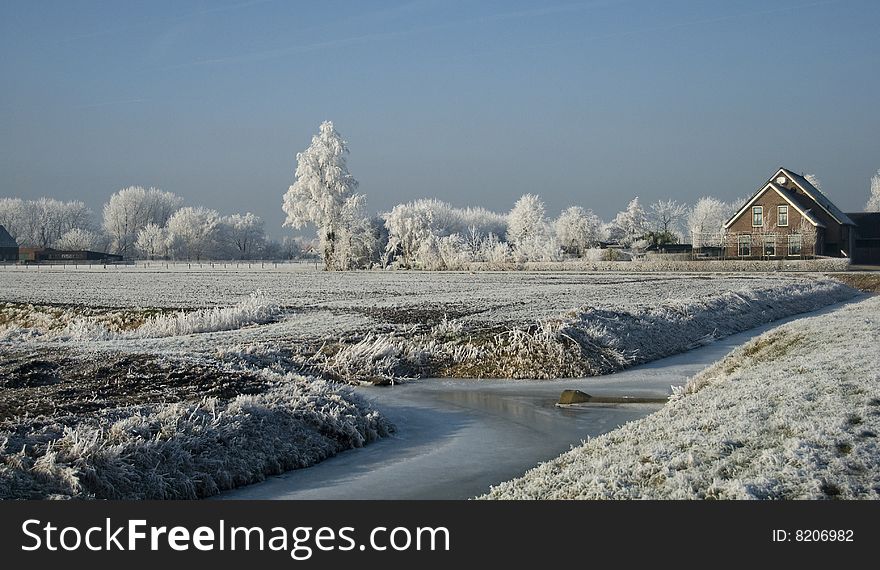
point(455, 438)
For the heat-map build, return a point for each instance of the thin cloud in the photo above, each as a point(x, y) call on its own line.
point(382, 36)
point(122, 29)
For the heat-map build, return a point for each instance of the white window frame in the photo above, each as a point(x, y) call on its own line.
point(779, 211)
point(768, 239)
point(800, 240)
point(757, 210)
point(744, 240)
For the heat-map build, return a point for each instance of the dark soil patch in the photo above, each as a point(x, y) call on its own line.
point(868, 282)
point(55, 383)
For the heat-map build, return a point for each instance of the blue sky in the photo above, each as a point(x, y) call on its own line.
point(586, 103)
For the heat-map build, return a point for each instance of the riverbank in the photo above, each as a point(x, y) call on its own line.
point(792, 414)
point(456, 438)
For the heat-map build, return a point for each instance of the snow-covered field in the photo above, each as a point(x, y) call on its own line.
point(793, 414)
point(268, 332)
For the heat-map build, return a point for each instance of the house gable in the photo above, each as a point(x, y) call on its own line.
point(782, 193)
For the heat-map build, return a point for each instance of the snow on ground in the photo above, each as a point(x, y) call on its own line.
point(181, 450)
point(166, 327)
point(793, 414)
point(319, 305)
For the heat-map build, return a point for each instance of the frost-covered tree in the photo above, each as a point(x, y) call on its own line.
point(358, 236)
point(577, 229)
point(242, 236)
point(131, 209)
point(412, 224)
point(665, 220)
point(42, 222)
point(629, 226)
point(527, 220)
point(11, 212)
point(873, 204)
point(705, 221)
point(480, 221)
point(291, 248)
point(153, 242)
point(323, 185)
point(79, 239)
point(192, 233)
point(495, 252)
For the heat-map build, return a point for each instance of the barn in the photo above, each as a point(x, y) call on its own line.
point(867, 238)
point(8, 246)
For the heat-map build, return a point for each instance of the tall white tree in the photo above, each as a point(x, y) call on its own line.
point(527, 220)
point(193, 233)
point(873, 204)
point(323, 185)
point(578, 229)
point(630, 225)
point(131, 209)
point(705, 221)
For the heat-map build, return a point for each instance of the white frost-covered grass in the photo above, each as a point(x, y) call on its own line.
point(793, 414)
point(183, 450)
point(386, 325)
point(586, 342)
point(70, 324)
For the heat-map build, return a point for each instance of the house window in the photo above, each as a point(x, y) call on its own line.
point(795, 244)
point(757, 216)
point(782, 215)
point(745, 246)
point(770, 245)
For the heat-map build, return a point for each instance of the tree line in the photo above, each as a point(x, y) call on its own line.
point(143, 223)
point(149, 223)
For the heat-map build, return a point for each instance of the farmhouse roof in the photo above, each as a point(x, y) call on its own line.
point(804, 208)
point(818, 196)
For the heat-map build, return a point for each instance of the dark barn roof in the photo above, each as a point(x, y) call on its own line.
point(6, 239)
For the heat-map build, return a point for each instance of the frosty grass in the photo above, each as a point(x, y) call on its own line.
point(305, 325)
point(793, 414)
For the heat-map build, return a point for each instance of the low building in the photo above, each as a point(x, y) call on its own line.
point(788, 217)
point(49, 255)
point(866, 249)
point(669, 248)
point(8, 246)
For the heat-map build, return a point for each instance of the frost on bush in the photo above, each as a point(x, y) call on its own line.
point(183, 450)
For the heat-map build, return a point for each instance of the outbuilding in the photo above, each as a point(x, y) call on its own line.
point(8, 246)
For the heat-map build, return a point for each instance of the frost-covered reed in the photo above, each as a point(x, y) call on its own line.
point(183, 450)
